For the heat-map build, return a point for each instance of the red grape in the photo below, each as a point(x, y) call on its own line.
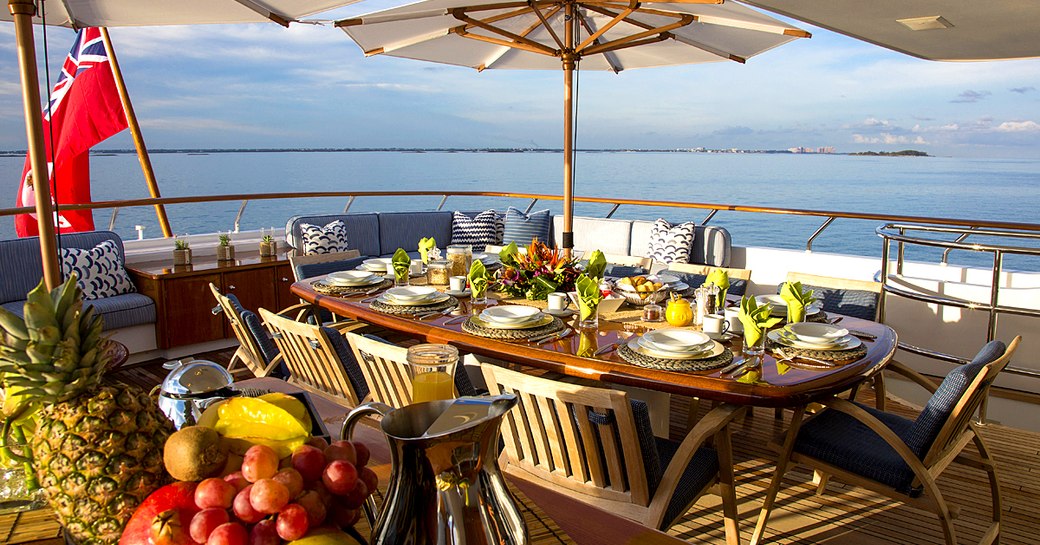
point(363, 454)
point(317, 442)
point(322, 491)
point(237, 480)
point(214, 492)
point(268, 496)
point(343, 516)
point(357, 495)
point(292, 522)
point(265, 533)
point(244, 509)
point(313, 503)
point(230, 533)
point(370, 478)
point(309, 461)
point(260, 462)
point(205, 521)
point(339, 477)
point(341, 450)
point(292, 481)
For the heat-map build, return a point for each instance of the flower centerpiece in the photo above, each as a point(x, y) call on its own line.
point(536, 274)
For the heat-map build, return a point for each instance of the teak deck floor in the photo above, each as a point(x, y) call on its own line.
point(844, 515)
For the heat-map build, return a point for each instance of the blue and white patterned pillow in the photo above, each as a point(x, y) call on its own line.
point(99, 270)
point(671, 243)
point(324, 240)
point(523, 228)
point(479, 230)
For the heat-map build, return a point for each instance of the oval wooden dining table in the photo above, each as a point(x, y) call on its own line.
point(796, 386)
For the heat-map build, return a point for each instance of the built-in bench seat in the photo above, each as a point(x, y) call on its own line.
point(380, 234)
point(21, 270)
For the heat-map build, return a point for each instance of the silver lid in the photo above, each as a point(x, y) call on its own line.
point(196, 377)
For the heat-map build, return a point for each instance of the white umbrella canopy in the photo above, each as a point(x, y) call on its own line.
point(552, 34)
point(111, 13)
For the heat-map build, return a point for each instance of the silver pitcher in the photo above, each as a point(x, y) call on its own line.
point(445, 485)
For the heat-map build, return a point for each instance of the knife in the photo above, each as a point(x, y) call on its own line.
point(731, 367)
point(607, 348)
point(556, 337)
point(863, 335)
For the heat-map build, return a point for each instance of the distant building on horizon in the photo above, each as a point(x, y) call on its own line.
point(822, 149)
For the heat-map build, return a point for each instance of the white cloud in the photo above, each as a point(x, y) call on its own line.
point(887, 138)
point(1018, 126)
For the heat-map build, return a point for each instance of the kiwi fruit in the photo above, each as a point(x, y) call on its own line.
point(194, 453)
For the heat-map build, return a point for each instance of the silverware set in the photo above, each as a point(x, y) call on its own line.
point(551, 337)
point(784, 356)
point(435, 313)
point(610, 347)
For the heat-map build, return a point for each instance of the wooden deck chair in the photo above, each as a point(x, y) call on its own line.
point(318, 359)
point(898, 457)
point(596, 445)
point(256, 353)
point(627, 265)
point(695, 275)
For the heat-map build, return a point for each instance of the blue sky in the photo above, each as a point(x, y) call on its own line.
point(309, 86)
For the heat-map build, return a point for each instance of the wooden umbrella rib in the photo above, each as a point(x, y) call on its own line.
point(504, 5)
point(545, 23)
point(276, 17)
point(494, 58)
point(713, 50)
point(608, 56)
point(594, 36)
point(619, 43)
point(517, 41)
point(631, 43)
point(752, 26)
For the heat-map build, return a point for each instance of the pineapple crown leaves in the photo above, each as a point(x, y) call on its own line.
point(55, 353)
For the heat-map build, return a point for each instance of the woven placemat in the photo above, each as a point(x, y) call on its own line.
point(411, 310)
point(667, 364)
point(346, 291)
point(826, 355)
point(469, 326)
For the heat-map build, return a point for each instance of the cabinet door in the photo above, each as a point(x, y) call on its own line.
point(283, 277)
point(188, 318)
point(254, 288)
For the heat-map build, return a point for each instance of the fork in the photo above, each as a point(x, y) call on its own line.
point(785, 357)
point(435, 313)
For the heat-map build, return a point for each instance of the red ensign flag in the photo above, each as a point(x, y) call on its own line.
point(84, 110)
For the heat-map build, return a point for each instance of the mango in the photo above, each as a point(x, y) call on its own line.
point(325, 535)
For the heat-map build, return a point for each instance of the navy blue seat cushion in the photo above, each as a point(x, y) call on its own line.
point(310, 270)
point(838, 439)
point(21, 267)
point(522, 228)
point(268, 350)
point(346, 359)
point(736, 285)
point(404, 229)
point(128, 309)
point(621, 271)
point(856, 303)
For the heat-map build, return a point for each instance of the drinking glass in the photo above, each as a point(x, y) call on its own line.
point(757, 347)
point(592, 322)
point(795, 315)
point(432, 369)
point(479, 297)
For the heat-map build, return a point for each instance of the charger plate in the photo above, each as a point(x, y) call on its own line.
point(826, 355)
point(412, 310)
point(325, 288)
point(477, 328)
point(669, 364)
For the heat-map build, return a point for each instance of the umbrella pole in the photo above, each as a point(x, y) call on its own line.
point(568, 58)
point(22, 13)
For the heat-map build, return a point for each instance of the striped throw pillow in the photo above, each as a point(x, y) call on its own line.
point(671, 243)
point(478, 231)
point(99, 270)
point(324, 240)
point(523, 228)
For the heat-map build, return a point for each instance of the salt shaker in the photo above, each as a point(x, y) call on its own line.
point(701, 295)
point(713, 295)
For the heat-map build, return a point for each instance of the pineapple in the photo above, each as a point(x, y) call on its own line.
point(96, 450)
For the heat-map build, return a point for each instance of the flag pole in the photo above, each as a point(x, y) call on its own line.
point(22, 12)
point(135, 132)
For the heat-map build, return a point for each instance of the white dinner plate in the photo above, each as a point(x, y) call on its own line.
point(352, 278)
point(779, 306)
point(510, 314)
point(544, 320)
point(666, 279)
point(411, 293)
point(815, 333)
point(433, 299)
point(716, 349)
point(846, 343)
point(459, 293)
point(376, 264)
point(676, 340)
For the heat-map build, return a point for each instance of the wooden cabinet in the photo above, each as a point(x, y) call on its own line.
point(184, 301)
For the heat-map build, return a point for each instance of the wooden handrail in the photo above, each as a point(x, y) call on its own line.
point(538, 196)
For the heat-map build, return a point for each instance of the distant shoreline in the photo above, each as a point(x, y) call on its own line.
point(205, 151)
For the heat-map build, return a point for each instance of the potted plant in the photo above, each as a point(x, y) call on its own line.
point(268, 246)
point(225, 251)
point(181, 252)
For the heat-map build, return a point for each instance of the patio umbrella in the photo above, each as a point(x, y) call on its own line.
point(105, 13)
point(552, 34)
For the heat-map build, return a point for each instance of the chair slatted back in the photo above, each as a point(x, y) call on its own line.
point(964, 411)
point(577, 437)
point(385, 367)
point(311, 358)
point(693, 268)
point(248, 350)
point(857, 298)
point(629, 260)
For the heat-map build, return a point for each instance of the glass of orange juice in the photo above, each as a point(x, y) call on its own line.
point(432, 367)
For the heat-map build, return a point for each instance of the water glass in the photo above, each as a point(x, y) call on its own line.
point(795, 315)
point(432, 370)
point(756, 347)
point(592, 322)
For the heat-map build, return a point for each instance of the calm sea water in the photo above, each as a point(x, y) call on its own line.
point(1007, 190)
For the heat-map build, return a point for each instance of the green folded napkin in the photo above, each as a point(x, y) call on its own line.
point(796, 300)
point(425, 245)
point(588, 296)
point(597, 265)
point(755, 319)
point(505, 255)
point(720, 278)
point(401, 262)
point(478, 278)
